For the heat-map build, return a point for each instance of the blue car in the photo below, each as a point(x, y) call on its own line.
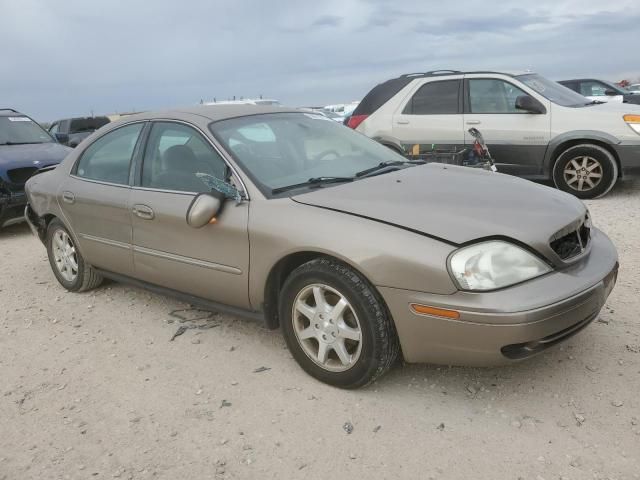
point(25, 148)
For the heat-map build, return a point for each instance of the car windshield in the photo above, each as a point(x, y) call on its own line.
point(282, 149)
point(553, 91)
point(19, 130)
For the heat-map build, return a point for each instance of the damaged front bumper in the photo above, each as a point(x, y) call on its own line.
point(11, 207)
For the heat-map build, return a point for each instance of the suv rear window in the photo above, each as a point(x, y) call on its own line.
point(381, 94)
point(435, 98)
point(87, 124)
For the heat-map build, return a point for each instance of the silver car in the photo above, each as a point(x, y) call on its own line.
point(359, 255)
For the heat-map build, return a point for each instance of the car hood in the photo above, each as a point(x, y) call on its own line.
point(37, 155)
point(456, 204)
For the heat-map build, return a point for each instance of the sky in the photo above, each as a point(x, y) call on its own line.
point(73, 57)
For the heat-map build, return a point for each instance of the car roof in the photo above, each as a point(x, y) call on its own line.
point(10, 112)
point(81, 118)
point(211, 112)
point(585, 80)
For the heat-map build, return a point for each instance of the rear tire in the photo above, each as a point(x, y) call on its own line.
point(586, 171)
point(67, 262)
point(360, 342)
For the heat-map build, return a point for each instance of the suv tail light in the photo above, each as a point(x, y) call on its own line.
point(356, 120)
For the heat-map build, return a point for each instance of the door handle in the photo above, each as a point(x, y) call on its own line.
point(143, 211)
point(403, 122)
point(473, 122)
point(68, 197)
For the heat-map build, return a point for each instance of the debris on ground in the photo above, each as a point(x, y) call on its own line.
point(192, 318)
point(178, 332)
point(192, 314)
point(261, 369)
point(347, 427)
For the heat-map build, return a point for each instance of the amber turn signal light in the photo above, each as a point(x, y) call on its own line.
point(632, 118)
point(436, 312)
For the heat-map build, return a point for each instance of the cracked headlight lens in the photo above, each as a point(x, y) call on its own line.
point(494, 264)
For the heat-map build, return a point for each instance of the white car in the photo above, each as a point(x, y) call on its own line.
point(247, 101)
point(343, 109)
point(634, 88)
point(534, 127)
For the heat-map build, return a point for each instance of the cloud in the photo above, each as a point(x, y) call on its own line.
point(327, 21)
point(113, 55)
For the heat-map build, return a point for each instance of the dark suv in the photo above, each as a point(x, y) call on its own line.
point(72, 131)
point(25, 148)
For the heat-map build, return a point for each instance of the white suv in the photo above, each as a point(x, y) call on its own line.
point(534, 127)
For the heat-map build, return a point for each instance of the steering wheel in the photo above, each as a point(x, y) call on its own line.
point(325, 153)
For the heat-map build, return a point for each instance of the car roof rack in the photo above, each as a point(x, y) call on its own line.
point(9, 109)
point(431, 73)
point(435, 73)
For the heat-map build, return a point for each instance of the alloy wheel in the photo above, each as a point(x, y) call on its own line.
point(583, 173)
point(65, 256)
point(327, 327)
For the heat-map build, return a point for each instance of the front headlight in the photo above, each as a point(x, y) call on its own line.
point(494, 264)
point(633, 121)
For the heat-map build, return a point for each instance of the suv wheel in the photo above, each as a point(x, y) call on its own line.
point(336, 325)
point(67, 263)
point(586, 171)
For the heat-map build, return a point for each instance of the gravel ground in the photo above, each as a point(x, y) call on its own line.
point(92, 387)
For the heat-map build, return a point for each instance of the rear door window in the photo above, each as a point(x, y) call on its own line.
point(435, 98)
point(108, 159)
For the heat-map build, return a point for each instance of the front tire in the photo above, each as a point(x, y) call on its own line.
point(336, 325)
point(67, 263)
point(586, 171)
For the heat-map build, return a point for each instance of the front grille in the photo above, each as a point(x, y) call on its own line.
point(21, 175)
point(571, 244)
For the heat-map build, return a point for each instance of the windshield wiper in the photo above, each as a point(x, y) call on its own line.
point(314, 181)
point(20, 143)
point(387, 166)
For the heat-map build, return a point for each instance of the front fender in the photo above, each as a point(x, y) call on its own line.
point(385, 255)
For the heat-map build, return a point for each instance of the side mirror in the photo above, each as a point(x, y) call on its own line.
point(611, 93)
point(529, 104)
point(204, 208)
point(62, 138)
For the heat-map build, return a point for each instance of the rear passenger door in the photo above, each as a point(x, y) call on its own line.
point(94, 199)
point(516, 139)
point(431, 117)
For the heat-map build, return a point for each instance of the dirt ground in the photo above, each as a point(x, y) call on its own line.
point(92, 387)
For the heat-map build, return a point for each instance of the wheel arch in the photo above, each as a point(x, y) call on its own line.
point(391, 143)
point(568, 140)
point(287, 264)
point(40, 222)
